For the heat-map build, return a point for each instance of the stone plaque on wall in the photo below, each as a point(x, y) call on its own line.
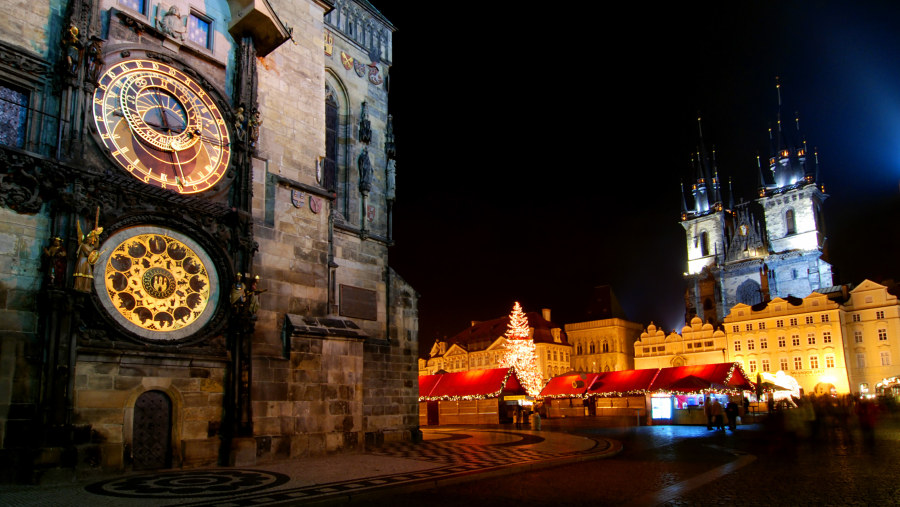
point(358, 303)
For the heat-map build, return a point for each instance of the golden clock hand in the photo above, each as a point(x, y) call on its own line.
point(175, 147)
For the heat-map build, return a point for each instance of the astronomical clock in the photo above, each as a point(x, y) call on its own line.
point(165, 129)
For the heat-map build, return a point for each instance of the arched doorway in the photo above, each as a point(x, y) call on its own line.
point(152, 433)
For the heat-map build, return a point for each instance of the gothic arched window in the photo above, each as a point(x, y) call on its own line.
point(331, 141)
point(748, 293)
point(579, 349)
point(790, 225)
point(593, 349)
point(605, 347)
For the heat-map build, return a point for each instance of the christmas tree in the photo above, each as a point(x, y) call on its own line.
point(520, 353)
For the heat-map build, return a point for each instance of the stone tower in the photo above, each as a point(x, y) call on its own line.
point(769, 247)
point(195, 210)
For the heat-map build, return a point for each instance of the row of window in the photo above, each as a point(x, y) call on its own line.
point(813, 361)
point(691, 345)
point(562, 356)
point(795, 321)
point(810, 340)
point(199, 27)
point(592, 348)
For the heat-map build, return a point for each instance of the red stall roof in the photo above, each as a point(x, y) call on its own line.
point(701, 378)
point(572, 385)
point(472, 384)
point(616, 383)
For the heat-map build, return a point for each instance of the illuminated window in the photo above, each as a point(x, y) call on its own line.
point(137, 5)
point(829, 361)
point(811, 338)
point(779, 323)
point(879, 315)
point(199, 30)
point(737, 346)
point(795, 340)
point(765, 365)
point(798, 363)
point(813, 362)
point(793, 321)
point(13, 115)
point(857, 336)
point(781, 341)
point(809, 319)
point(783, 364)
point(752, 365)
point(885, 358)
point(826, 337)
point(824, 317)
point(763, 343)
point(861, 360)
point(882, 335)
point(751, 345)
point(790, 226)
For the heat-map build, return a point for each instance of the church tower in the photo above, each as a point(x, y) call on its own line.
point(704, 225)
point(792, 198)
point(757, 250)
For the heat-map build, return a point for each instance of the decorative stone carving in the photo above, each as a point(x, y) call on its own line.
point(171, 23)
point(365, 126)
point(365, 172)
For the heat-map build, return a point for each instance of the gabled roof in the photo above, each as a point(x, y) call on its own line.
point(570, 385)
point(678, 379)
point(469, 385)
point(618, 383)
point(701, 378)
point(487, 332)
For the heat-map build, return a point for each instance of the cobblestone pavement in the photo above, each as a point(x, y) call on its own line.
point(677, 466)
point(448, 455)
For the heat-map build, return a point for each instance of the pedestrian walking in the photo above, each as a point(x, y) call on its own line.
point(731, 410)
point(518, 417)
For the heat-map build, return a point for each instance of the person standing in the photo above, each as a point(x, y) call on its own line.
point(707, 411)
point(716, 410)
point(731, 410)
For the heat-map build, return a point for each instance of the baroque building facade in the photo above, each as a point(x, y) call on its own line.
point(603, 345)
point(845, 343)
point(482, 345)
point(754, 251)
point(698, 343)
point(195, 217)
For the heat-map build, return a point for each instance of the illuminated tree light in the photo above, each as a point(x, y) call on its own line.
point(520, 352)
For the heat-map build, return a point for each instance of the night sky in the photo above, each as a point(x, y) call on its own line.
point(539, 152)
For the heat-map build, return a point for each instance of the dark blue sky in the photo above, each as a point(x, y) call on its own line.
point(540, 152)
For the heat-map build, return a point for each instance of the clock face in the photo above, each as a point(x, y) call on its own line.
point(161, 126)
point(156, 282)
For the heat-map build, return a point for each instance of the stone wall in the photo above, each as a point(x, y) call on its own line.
point(108, 386)
point(22, 238)
point(390, 403)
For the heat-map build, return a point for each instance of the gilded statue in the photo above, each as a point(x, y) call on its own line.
point(87, 255)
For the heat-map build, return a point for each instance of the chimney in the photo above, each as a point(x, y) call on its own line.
point(546, 314)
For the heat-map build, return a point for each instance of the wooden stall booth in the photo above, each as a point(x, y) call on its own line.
point(469, 397)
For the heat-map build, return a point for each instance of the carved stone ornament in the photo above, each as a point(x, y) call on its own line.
point(22, 179)
point(365, 126)
point(365, 172)
point(171, 23)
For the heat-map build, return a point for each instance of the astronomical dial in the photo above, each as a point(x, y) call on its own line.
point(161, 126)
point(157, 282)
